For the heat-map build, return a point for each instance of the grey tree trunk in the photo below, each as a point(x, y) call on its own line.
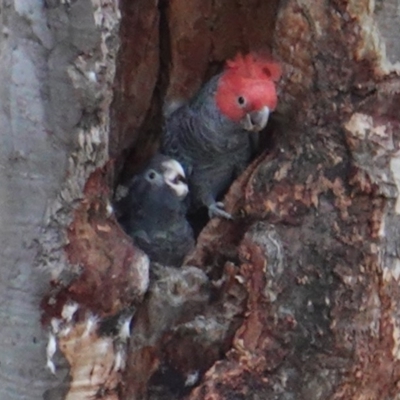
point(56, 73)
point(295, 299)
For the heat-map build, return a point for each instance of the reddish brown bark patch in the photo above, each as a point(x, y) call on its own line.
point(137, 73)
point(111, 272)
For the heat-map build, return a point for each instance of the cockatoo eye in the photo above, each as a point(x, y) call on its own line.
point(241, 101)
point(151, 175)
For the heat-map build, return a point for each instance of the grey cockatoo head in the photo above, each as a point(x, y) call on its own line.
point(152, 211)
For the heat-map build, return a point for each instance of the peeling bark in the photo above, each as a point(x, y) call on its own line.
point(57, 66)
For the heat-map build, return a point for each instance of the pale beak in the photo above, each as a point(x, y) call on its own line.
point(175, 178)
point(255, 121)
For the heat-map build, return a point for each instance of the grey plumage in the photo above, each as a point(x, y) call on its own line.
point(152, 211)
point(196, 135)
point(213, 149)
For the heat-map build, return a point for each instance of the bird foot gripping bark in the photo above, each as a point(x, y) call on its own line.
point(217, 210)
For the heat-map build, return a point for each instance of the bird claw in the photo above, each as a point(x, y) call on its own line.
point(216, 210)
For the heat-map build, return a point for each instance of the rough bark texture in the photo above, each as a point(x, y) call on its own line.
point(57, 63)
point(294, 299)
point(29, 151)
point(38, 114)
point(313, 244)
point(322, 280)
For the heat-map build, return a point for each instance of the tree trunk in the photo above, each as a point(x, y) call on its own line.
point(57, 64)
point(294, 299)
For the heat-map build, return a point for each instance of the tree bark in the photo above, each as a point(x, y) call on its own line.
point(294, 299)
point(321, 318)
point(57, 65)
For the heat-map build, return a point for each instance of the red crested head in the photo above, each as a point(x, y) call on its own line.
point(247, 85)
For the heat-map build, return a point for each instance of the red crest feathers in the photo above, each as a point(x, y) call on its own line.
point(255, 66)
